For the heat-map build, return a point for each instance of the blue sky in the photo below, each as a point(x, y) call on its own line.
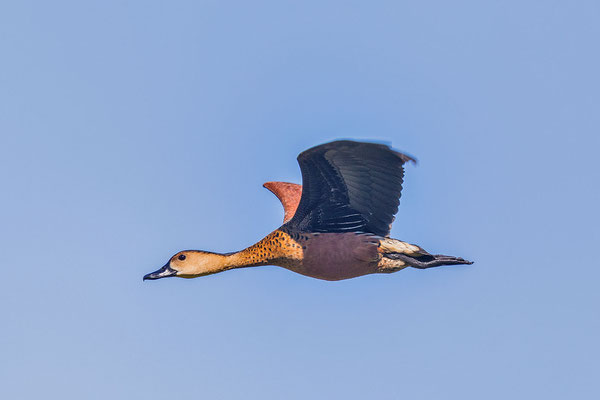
point(130, 130)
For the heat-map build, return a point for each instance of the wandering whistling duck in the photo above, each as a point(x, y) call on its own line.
point(336, 225)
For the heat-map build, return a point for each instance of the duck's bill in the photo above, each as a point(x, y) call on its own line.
point(164, 272)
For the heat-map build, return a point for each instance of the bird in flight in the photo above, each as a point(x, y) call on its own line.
point(336, 225)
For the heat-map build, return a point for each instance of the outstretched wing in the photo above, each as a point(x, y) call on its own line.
point(349, 187)
point(289, 195)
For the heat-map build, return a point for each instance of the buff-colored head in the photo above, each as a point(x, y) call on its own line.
point(190, 264)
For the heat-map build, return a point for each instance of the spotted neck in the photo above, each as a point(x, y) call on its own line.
point(277, 248)
point(244, 258)
point(271, 250)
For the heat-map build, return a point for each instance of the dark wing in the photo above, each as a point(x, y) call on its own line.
point(349, 187)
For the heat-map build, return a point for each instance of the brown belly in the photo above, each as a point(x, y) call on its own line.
point(336, 256)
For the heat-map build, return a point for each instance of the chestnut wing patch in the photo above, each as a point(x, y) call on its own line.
point(289, 195)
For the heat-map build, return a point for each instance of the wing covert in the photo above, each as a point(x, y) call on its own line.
point(288, 194)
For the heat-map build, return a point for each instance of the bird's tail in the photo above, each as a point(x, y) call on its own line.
point(427, 260)
point(415, 256)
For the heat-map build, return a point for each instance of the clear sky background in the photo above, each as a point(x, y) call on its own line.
point(130, 130)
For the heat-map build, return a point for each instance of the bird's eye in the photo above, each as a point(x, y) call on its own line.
point(181, 257)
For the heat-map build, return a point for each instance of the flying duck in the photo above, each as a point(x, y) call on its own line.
point(336, 225)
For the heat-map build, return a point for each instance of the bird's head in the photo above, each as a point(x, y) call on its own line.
point(190, 264)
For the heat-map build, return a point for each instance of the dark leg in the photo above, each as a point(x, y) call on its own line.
point(428, 261)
